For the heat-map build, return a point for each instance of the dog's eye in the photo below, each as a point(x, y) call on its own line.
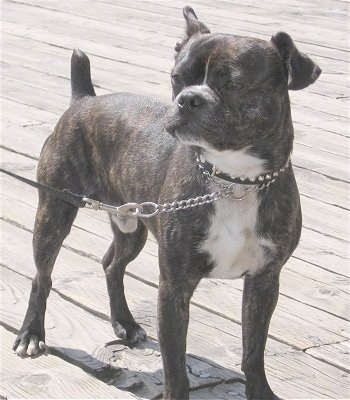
point(231, 85)
point(176, 79)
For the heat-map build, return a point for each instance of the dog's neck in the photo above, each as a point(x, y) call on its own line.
point(238, 167)
point(235, 163)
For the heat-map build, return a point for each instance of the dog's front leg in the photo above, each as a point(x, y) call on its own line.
point(175, 291)
point(259, 301)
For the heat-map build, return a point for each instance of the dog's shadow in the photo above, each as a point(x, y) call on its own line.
point(138, 369)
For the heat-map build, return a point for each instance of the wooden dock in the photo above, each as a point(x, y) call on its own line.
point(130, 44)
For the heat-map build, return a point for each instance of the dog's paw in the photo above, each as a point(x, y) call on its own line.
point(29, 345)
point(129, 331)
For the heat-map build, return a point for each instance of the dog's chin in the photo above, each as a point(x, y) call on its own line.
point(183, 133)
point(174, 125)
point(190, 141)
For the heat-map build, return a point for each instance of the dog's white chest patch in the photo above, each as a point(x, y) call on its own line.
point(232, 243)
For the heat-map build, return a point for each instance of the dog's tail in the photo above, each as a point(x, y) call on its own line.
point(81, 85)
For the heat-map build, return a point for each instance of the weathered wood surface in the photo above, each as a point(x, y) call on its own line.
point(49, 377)
point(130, 44)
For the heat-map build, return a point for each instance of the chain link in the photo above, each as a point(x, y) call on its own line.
point(149, 209)
point(189, 203)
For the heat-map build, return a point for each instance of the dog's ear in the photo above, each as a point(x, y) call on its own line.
point(300, 69)
point(193, 27)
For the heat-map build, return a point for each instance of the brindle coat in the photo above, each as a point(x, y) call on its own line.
point(231, 105)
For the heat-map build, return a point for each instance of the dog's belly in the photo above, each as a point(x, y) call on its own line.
point(232, 244)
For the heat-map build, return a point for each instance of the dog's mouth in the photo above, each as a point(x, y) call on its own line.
point(182, 132)
point(175, 126)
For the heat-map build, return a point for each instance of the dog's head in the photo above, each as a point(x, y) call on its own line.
point(231, 92)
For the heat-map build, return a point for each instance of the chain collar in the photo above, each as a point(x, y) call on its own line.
point(211, 172)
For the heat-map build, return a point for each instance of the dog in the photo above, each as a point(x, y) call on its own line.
point(209, 175)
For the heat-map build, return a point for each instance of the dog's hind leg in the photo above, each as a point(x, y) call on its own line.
point(52, 224)
point(124, 248)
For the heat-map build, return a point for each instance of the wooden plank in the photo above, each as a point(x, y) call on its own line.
point(326, 122)
point(122, 29)
point(125, 27)
point(302, 303)
point(70, 25)
point(318, 101)
point(335, 220)
point(17, 66)
point(95, 349)
point(313, 159)
point(333, 85)
point(243, 22)
point(129, 56)
point(335, 354)
point(322, 188)
point(321, 139)
point(103, 70)
point(224, 391)
point(42, 100)
point(327, 252)
point(277, 15)
point(48, 377)
point(250, 9)
point(216, 347)
point(19, 73)
point(16, 114)
point(26, 140)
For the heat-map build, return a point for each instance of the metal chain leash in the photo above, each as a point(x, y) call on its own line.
point(197, 201)
point(149, 209)
point(135, 210)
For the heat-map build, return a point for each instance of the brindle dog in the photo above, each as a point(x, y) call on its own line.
point(230, 117)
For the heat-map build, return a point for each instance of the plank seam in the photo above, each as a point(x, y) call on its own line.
point(346, 370)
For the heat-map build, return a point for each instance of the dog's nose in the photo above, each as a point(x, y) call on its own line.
point(190, 101)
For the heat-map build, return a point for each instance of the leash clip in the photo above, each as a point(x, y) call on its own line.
point(94, 204)
point(132, 210)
